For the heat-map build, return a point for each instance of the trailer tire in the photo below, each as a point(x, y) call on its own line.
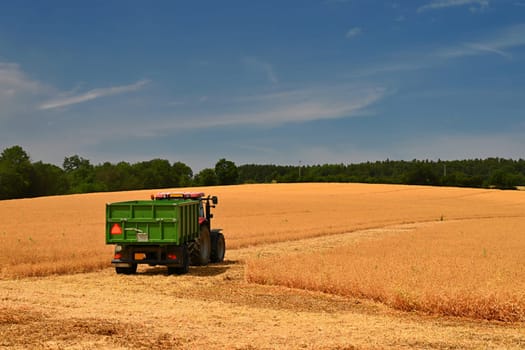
point(218, 247)
point(126, 270)
point(201, 255)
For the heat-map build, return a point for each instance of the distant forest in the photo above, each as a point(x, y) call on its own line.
point(22, 178)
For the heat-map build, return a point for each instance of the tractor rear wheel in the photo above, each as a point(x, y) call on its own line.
point(201, 255)
point(218, 247)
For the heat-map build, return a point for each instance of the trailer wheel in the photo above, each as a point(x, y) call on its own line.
point(181, 270)
point(218, 247)
point(201, 255)
point(127, 270)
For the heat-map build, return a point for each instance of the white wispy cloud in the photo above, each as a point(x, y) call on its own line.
point(18, 92)
point(392, 66)
point(400, 18)
point(257, 64)
point(500, 43)
point(266, 110)
point(475, 5)
point(506, 39)
point(293, 106)
point(353, 32)
point(13, 80)
point(489, 49)
point(64, 101)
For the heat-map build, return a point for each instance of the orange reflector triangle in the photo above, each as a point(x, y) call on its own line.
point(116, 229)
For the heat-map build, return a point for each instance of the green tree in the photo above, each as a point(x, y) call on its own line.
point(505, 179)
point(156, 173)
point(226, 172)
point(15, 173)
point(129, 177)
point(206, 177)
point(48, 179)
point(107, 177)
point(183, 174)
point(422, 174)
point(80, 174)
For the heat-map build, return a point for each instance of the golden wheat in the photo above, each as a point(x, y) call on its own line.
point(471, 268)
point(65, 234)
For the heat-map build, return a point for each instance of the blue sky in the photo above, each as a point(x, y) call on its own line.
point(265, 82)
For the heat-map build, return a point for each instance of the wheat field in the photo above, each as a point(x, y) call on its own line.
point(65, 234)
point(467, 268)
point(466, 259)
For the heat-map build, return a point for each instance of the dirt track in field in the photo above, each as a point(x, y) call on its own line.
point(213, 307)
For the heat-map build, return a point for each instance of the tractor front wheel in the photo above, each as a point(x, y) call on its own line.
point(218, 247)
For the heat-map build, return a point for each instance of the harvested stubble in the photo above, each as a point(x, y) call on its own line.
point(468, 268)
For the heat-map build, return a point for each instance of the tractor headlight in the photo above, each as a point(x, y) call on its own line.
point(118, 248)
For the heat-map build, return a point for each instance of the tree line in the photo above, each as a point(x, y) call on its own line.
point(479, 173)
point(22, 178)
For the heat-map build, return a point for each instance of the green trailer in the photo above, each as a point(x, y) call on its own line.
point(171, 229)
